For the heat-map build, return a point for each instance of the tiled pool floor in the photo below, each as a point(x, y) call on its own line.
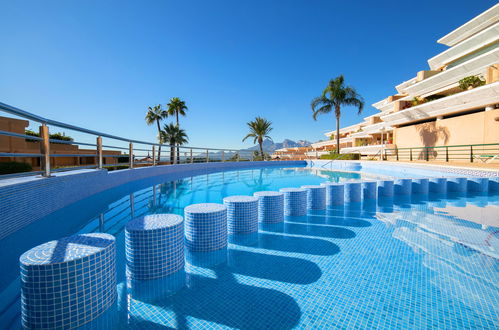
point(404, 263)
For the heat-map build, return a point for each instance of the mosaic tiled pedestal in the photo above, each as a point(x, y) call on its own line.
point(205, 227)
point(242, 214)
point(402, 187)
point(480, 185)
point(385, 188)
point(270, 206)
point(316, 197)
point(369, 190)
point(420, 186)
point(295, 201)
point(154, 246)
point(353, 192)
point(335, 193)
point(68, 282)
point(438, 185)
point(457, 185)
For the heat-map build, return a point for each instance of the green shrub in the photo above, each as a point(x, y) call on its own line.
point(115, 168)
point(471, 82)
point(14, 167)
point(333, 155)
point(54, 136)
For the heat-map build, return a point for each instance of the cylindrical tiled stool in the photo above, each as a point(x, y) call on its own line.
point(438, 185)
point(154, 246)
point(420, 186)
point(68, 282)
point(402, 187)
point(316, 197)
point(353, 192)
point(242, 214)
point(270, 206)
point(205, 227)
point(335, 193)
point(457, 185)
point(295, 201)
point(385, 188)
point(480, 185)
point(369, 190)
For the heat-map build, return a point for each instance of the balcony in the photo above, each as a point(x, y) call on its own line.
point(471, 99)
point(448, 77)
point(369, 150)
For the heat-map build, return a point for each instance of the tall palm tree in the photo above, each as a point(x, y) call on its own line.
point(335, 95)
point(259, 130)
point(155, 115)
point(176, 107)
point(173, 135)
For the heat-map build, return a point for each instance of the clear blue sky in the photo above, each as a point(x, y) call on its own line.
point(99, 64)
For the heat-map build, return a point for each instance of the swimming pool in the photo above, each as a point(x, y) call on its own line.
point(409, 262)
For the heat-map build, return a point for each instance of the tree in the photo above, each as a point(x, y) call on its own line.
point(334, 96)
point(259, 130)
point(155, 115)
point(176, 107)
point(173, 135)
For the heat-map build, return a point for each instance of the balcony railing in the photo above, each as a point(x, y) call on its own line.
point(481, 153)
point(131, 153)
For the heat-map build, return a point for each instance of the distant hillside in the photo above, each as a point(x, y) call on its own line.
point(270, 146)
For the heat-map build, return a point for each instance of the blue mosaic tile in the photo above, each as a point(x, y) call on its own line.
point(154, 246)
point(205, 226)
point(457, 185)
point(270, 206)
point(335, 193)
point(480, 185)
point(369, 190)
point(420, 186)
point(353, 192)
point(385, 188)
point(242, 214)
point(316, 197)
point(402, 187)
point(438, 185)
point(295, 201)
point(69, 282)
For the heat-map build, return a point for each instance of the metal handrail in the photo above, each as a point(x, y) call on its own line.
point(190, 154)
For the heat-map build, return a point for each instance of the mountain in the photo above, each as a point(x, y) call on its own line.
point(270, 146)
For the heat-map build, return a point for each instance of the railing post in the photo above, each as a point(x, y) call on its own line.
point(223, 156)
point(99, 153)
point(471, 154)
point(45, 150)
point(153, 155)
point(207, 156)
point(237, 155)
point(427, 156)
point(410, 154)
point(192, 159)
point(174, 155)
point(397, 153)
point(447, 154)
point(130, 154)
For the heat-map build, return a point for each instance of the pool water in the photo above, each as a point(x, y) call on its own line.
point(402, 263)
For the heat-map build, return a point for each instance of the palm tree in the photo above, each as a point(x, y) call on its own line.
point(259, 129)
point(173, 135)
point(155, 115)
point(335, 95)
point(176, 107)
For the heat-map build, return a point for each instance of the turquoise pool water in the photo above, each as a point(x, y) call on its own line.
point(402, 263)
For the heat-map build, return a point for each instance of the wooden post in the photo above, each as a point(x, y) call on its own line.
point(100, 161)
point(130, 154)
point(447, 154)
point(410, 154)
point(45, 150)
point(471, 154)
